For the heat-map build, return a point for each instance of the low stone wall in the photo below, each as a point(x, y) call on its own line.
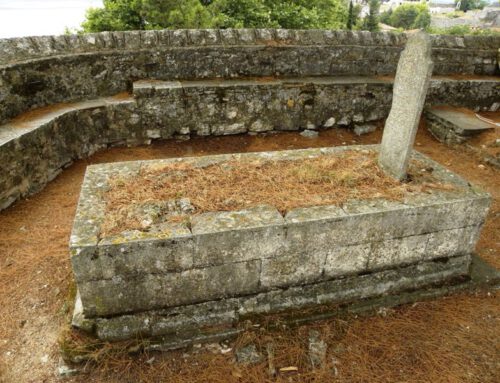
point(220, 107)
point(33, 153)
point(40, 71)
point(257, 252)
point(35, 149)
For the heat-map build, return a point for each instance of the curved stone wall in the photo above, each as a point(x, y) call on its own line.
point(38, 146)
point(310, 78)
point(40, 71)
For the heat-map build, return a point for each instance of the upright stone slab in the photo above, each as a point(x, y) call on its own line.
point(410, 88)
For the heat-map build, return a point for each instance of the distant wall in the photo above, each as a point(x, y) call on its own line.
point(39, 71)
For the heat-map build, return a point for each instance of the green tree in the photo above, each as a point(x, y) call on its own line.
point(117, 15)
point(175, 14)
point(386, 16)
point(405, 16)
point(156, 14)
point(467, 5)
point(350, 16)
point(372, 19)
point(241, 14)
point(423, 20)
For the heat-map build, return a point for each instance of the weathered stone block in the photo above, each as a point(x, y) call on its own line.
point(227, 237)
point(347, 260)
point(119, 295)
point(396, 252)
point(223, 256)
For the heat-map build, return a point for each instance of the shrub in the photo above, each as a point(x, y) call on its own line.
point(405, 16)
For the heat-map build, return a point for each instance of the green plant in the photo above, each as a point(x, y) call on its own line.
point(158, 14)
point(461, 30)
point(370, 22)
point(467, 5)
point(410, 16)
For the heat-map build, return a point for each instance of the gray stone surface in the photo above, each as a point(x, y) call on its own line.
point(410, 89)
point(224, 237)
point(39, 71)
point(70, 132)
point(309, 133)
point(453, 125)
point(317, 348)
point(249, 355)
point(218, 255)
point(189, 321)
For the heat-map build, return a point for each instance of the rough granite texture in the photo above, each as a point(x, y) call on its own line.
point(39, 71)
point(287, 77)
point(35, 150)
point(410, 90)
point(218, 256)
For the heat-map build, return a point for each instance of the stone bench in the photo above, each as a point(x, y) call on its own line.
point(231, 106)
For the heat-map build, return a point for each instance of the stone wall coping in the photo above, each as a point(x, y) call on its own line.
point(36, 118)
point(24, 48)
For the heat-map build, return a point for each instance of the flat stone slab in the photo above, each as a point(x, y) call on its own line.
point(464, 120)
point(224, 256)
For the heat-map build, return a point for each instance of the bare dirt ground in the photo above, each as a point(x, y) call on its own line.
point(453, 339)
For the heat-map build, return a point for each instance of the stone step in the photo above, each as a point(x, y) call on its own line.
point(455, 125)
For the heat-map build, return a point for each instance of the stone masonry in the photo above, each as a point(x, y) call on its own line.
point(40, 71)
point(218, 257)
point(35, 150)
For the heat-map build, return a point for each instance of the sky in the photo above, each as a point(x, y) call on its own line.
point(41, 17)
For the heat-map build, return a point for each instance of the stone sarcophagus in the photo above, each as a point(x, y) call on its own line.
point(178, 280)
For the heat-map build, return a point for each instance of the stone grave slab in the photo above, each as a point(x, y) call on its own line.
point(206, 275)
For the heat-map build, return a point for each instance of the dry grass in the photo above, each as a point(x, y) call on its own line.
point(448, 340)
point(452, 339)
point(233, 185)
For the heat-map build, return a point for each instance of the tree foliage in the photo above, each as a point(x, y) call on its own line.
point(372, 19)
point(467, 5)
point(408, 16)
point(157, 14)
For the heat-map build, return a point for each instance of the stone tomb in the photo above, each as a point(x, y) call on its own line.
point(198, 279)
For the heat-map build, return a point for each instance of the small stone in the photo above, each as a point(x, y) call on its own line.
point(232, 114)
point(309, 134)
point(358, 118)
point(344, 121)
point(311, 126)
point(182, 137)
point(317, 349)
point(154, 133)
point(185, 206)
point(44, 359)
point(248, 355)
point(330, 122)
point(481, 166)
point(63, 370)
point(364, 129)
point(225, 350)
